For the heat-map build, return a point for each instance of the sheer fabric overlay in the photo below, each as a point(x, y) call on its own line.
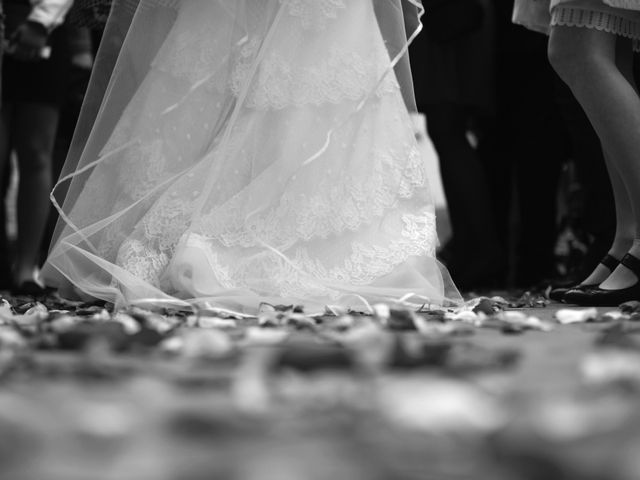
point(233, 152)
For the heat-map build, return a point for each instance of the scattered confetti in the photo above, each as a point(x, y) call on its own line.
point(225, 392)
point(567, 316)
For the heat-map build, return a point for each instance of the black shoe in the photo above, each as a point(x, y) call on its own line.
point(560, 294)
point(593, 297)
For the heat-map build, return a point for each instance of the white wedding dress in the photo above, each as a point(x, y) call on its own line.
point(265, 153)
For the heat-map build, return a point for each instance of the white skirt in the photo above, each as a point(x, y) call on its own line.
point(267, 155)
point(618, 17)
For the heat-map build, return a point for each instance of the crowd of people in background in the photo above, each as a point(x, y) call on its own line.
point(529, 197)
point(521, 165)
point(46, 67)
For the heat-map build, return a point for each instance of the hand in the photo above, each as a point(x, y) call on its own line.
point(82, 61)
point(28, 41)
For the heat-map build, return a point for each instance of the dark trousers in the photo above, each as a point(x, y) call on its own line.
point(1, 44)
point(4, 247)
point(523, 154)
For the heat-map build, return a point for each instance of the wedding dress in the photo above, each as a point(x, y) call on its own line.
point(248, 151)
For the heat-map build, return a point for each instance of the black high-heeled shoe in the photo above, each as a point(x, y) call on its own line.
point(594, 297)
point(559, 294)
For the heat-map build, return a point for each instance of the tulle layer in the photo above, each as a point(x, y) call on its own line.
point(247, 151)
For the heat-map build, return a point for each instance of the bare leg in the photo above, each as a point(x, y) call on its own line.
point(588, 61)
point(622, 277)
point(36, 126)
point(624, 224)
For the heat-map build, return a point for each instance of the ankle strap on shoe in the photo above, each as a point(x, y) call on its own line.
point(632, 263)
point(610, 262)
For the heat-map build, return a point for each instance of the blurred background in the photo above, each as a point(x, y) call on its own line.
point(523, 201)
point(517, 171)
point(524, 180)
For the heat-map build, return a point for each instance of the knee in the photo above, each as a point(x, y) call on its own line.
point(577, 61)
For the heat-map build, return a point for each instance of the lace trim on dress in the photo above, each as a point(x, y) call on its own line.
point(147, 255)
point(299, 276)
point(314, 14)
point(302, 276)
point(368, 261)
point(343, 75)
point(602, 21)
point(142, 260)
point(167, 221)
point(339, 207)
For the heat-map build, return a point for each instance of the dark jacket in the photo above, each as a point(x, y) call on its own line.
point(1, 45)
point(458, 71)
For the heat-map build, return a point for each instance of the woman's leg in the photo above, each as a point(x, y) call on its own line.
point(36, 126)
point(594, 65)
point(625, 224)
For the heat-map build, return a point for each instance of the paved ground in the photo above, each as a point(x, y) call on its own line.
point(83, 397)
point(550, 360)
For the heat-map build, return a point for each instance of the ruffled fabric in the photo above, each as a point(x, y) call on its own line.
point(253, 151)
point(618, 17)
point(603, 19)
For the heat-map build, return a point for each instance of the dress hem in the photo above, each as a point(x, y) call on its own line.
point(601, 21)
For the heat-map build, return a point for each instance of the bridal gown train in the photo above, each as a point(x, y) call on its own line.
point(263, 153)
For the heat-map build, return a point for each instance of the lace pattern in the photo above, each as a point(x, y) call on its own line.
point(368, 261)
point(349, 206)
point(314, 14)
point(280, 81)
point(167, 221)
point(273, 185)
point(342, 75)
point(303, 275)
point(338, 207)
point(142, 261)
point(603, 21)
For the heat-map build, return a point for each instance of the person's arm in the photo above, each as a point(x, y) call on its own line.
point(29, 40)
point(49, 13)
point(80, 47)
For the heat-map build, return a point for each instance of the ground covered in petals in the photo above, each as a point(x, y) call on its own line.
point(505, 388)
